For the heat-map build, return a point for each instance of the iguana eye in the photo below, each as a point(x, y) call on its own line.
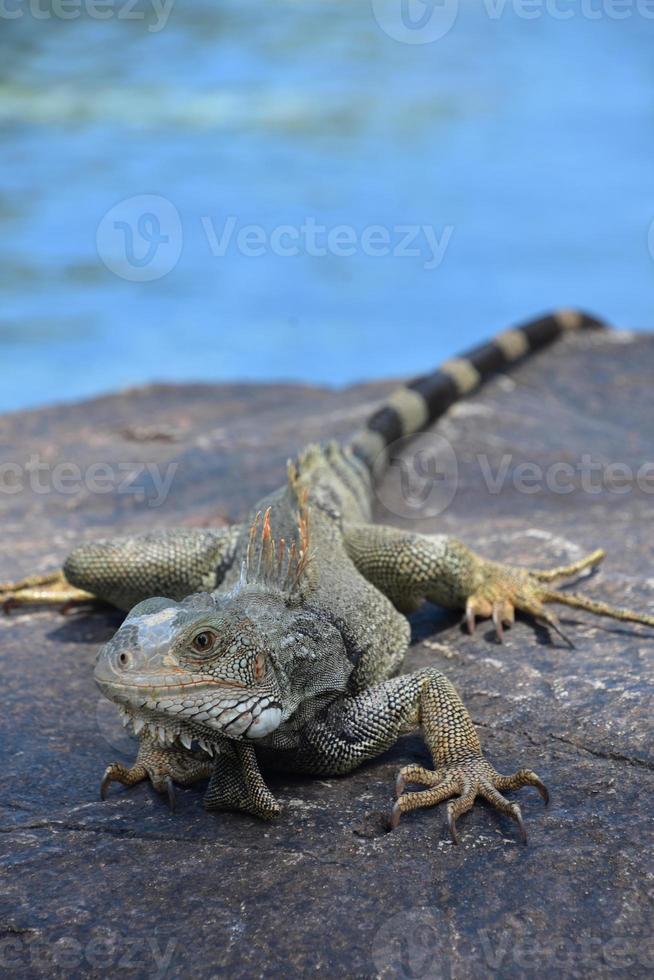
point(203, 641)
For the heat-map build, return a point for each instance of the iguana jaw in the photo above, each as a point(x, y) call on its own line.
point(195, 706)
point(169, 731)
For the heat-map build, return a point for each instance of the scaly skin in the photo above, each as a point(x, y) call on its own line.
point(295, 657)
point(288, 650)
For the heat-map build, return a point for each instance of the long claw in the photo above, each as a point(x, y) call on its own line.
point(543, 790)
point(117, 773)
point(394, 820)
point(451, 821)
point(497, 621)
point(524, 777)
point(400, 785)
point(517, 816)
point(479, 606)
point(550, 621)
point(170, 793)
point(105, 784)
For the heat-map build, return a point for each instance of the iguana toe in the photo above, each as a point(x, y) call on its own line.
point(121, 774)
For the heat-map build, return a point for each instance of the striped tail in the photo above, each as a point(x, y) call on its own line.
point(425, 399)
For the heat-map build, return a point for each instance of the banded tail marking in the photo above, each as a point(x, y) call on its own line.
point(428, 397)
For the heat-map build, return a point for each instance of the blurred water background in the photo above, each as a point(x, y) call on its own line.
point(526, 145)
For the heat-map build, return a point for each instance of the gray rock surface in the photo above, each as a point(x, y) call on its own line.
point(127, 888)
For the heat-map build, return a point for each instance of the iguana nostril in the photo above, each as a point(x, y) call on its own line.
point(124, 659)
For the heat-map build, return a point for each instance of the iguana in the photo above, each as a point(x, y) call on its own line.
point(280, 641)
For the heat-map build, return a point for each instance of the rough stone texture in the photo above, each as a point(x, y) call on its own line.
point(93, 889)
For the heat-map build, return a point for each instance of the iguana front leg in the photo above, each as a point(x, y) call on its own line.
point(360, 728)
point(124, 571)
point(163, 765)
point(236, 784)
point(52, 588)
point(409, 567)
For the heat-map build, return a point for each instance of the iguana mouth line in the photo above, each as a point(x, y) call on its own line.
point(155, 688)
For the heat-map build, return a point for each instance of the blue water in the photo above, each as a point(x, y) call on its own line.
point(526, 146)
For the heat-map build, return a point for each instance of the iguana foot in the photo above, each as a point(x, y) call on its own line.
point(409, 567)
point(162, 765)
point(499, 590)
point(38, 590)
point(465, 780)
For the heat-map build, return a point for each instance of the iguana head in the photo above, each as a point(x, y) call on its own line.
point(234, 664)
point(188, 669)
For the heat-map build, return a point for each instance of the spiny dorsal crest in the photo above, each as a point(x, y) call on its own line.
point(272, 563)
point(313, 458)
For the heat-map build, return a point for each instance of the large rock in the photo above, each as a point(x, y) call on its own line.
point(126, 887)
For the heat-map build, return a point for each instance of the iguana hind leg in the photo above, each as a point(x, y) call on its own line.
point(360, 728)
point(124, 571)
point(410, 567)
